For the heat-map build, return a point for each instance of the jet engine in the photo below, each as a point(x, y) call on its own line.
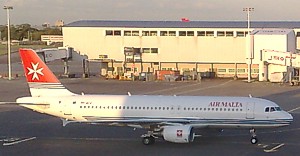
point(178, 134)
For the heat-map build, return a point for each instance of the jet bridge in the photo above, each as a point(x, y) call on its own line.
point(278, 66)
point(64, 53)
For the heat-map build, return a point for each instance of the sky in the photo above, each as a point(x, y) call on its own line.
point(37, 12)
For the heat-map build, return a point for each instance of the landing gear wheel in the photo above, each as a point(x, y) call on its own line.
point(253, 140)
point(253, 136)
point(148, 140)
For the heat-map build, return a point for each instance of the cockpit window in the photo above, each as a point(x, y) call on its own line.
point(272, 109)
point(278, 108)
point(267, 109)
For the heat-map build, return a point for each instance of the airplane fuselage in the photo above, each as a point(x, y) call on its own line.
point(197, 111)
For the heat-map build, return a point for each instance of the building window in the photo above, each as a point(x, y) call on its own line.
point(182, 33)
point(209, 33)
point(190, 33)
point(200, 33)
point(163, 33)
point(229, 33)
point(109, 33)
point(231, 70)
point(150, 50)
point(146, 50)
point(241, 70)
point(135, 33)
point(255, 70)
point(220, 33)
point(172, 33)
point(221, 70)
point(127, 33)
point(240, 34)
point(153, 33)
point(117, 32)
point(145, 33)
point(154, 50)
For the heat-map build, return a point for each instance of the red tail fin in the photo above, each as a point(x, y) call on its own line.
point(41, 80)
point(35, 69)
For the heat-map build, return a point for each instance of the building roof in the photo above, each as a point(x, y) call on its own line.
point(180, 24)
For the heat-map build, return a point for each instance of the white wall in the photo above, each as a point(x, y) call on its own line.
point(273, 42)
point(93, 42)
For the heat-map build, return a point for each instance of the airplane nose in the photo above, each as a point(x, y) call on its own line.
point(289, 117)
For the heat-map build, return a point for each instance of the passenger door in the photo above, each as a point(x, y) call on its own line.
point(250, 111)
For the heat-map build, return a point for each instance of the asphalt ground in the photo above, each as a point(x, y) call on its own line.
point(24, 132)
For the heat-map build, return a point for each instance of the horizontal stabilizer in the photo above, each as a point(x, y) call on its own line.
point(32, 104)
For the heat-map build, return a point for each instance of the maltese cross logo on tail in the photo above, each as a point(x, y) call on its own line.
point(35, 71)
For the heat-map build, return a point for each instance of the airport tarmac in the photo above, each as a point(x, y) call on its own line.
point(23, 132)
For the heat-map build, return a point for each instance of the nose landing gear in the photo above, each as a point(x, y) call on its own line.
point(254, 139)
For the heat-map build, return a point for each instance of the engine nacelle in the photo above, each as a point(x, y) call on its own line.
point(178, 134)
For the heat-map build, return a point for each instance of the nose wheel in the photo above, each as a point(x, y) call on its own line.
point(254, 139)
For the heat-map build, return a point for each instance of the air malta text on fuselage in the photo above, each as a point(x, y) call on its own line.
point(225, 104)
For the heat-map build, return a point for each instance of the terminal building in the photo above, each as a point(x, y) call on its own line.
point(221, 47)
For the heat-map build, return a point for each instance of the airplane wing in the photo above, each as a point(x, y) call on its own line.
point(144, 122)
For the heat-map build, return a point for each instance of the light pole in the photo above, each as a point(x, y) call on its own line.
point(7, 8)
point(249, 55)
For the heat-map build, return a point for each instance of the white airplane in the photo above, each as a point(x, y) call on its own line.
point(172, 117)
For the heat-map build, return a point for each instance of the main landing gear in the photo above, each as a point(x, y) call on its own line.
point(149, 138)
point(253, 136)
